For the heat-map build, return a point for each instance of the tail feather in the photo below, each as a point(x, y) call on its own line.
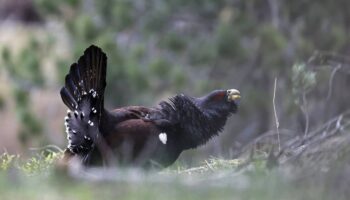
point(83, 94)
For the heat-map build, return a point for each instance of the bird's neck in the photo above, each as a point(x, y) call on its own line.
point(198, 121)
point(216, 113)
point(215, 117)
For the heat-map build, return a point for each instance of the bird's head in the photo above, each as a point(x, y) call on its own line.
point(202, 118)
point(221, 100)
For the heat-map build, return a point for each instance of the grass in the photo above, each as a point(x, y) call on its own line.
point(38, 178)
point(38, 164)
point(313, 167)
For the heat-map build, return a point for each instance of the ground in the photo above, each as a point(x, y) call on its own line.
point(321, 171)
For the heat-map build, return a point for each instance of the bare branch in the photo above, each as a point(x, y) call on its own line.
point(331, 81)
point(276, 117)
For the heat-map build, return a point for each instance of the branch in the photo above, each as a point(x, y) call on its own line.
point(276, 117)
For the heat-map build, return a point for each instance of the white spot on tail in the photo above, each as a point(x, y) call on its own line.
point(93, 93)
point(90, 123)
point(163, 137)
point(93, 110)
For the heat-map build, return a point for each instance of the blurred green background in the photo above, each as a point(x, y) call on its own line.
point(160, 48)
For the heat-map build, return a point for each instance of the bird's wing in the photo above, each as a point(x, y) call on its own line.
point(131, 112)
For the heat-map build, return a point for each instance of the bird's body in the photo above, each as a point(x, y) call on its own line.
point(136, 135)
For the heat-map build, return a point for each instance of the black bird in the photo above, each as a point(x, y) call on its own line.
point(135, 135)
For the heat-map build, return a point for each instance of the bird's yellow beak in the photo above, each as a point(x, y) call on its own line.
point(233, 95)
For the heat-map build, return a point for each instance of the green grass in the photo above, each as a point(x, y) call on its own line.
point(37, 164)
point(38, 178)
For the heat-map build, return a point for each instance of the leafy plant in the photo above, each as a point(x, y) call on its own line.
point(303, 80)
point(37, 164)
point(7, 160)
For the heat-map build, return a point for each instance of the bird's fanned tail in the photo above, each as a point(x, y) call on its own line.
point(83, 95)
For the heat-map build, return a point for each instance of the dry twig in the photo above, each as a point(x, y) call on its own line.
point(276, 117)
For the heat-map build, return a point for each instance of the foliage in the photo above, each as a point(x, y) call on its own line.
point(38, 164)
point(6, 161)
point(26, 74)
point(303, 79)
